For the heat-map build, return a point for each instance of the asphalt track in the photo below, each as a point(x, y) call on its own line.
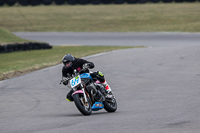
point(163, 39)
point(157, 90)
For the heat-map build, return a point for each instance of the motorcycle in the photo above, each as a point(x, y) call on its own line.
point(89, 94)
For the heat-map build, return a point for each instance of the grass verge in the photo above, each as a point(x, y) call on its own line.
point(7, 37)
point(18, 63)
point(182, 17)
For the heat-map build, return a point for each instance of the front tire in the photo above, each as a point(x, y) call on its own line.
point(83, 107)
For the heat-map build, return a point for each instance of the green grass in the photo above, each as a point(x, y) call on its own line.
point(182, 17)
point(7, 37)
point(17, 63)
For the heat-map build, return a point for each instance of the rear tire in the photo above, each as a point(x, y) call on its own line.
point(85, 108)
point(110, 106)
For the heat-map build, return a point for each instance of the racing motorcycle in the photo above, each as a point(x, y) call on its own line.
point(89, 94)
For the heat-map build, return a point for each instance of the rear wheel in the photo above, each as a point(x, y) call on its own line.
point(110, 105)
point(83, 107)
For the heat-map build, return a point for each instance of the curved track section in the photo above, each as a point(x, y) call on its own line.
point(153, 39)
point(157, 91)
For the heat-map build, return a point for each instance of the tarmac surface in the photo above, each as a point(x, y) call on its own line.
point(150, 39)
point(157, 89)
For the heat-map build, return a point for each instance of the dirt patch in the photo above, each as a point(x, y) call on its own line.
point(13, 74)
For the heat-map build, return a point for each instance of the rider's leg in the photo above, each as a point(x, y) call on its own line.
point(106, 85)
point(69, 96)
point(99, 76)
point(103, 81)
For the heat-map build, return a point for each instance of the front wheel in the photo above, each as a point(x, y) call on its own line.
point(110, 105)
point(83, 107)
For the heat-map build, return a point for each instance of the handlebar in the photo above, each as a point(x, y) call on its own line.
point(75, 74)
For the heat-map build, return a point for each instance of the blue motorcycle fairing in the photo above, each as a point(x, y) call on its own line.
point(97, 106)
point(86, 75)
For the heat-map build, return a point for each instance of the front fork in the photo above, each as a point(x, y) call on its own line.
point(84, 93)
point(81, 91)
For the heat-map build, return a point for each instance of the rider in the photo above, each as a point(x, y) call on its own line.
point(71, 63)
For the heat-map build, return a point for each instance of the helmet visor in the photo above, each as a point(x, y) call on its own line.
point(68, 64)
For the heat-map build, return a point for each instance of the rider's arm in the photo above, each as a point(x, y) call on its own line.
point(65, 74)
point(90, 64)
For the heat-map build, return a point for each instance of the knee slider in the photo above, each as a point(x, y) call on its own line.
point(100, 74)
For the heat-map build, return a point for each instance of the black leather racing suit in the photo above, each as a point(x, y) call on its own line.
point(78, 65)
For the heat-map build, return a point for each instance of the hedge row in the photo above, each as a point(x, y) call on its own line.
point(73, 2)
point(23, 46)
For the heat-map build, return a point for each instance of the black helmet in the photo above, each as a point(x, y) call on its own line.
point(68, 60)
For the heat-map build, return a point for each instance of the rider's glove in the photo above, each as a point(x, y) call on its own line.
point(65, 81)
point(86, 66)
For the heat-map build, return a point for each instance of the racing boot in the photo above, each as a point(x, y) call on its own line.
point(69, 96)
point(101, 78)
point(108, 90)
